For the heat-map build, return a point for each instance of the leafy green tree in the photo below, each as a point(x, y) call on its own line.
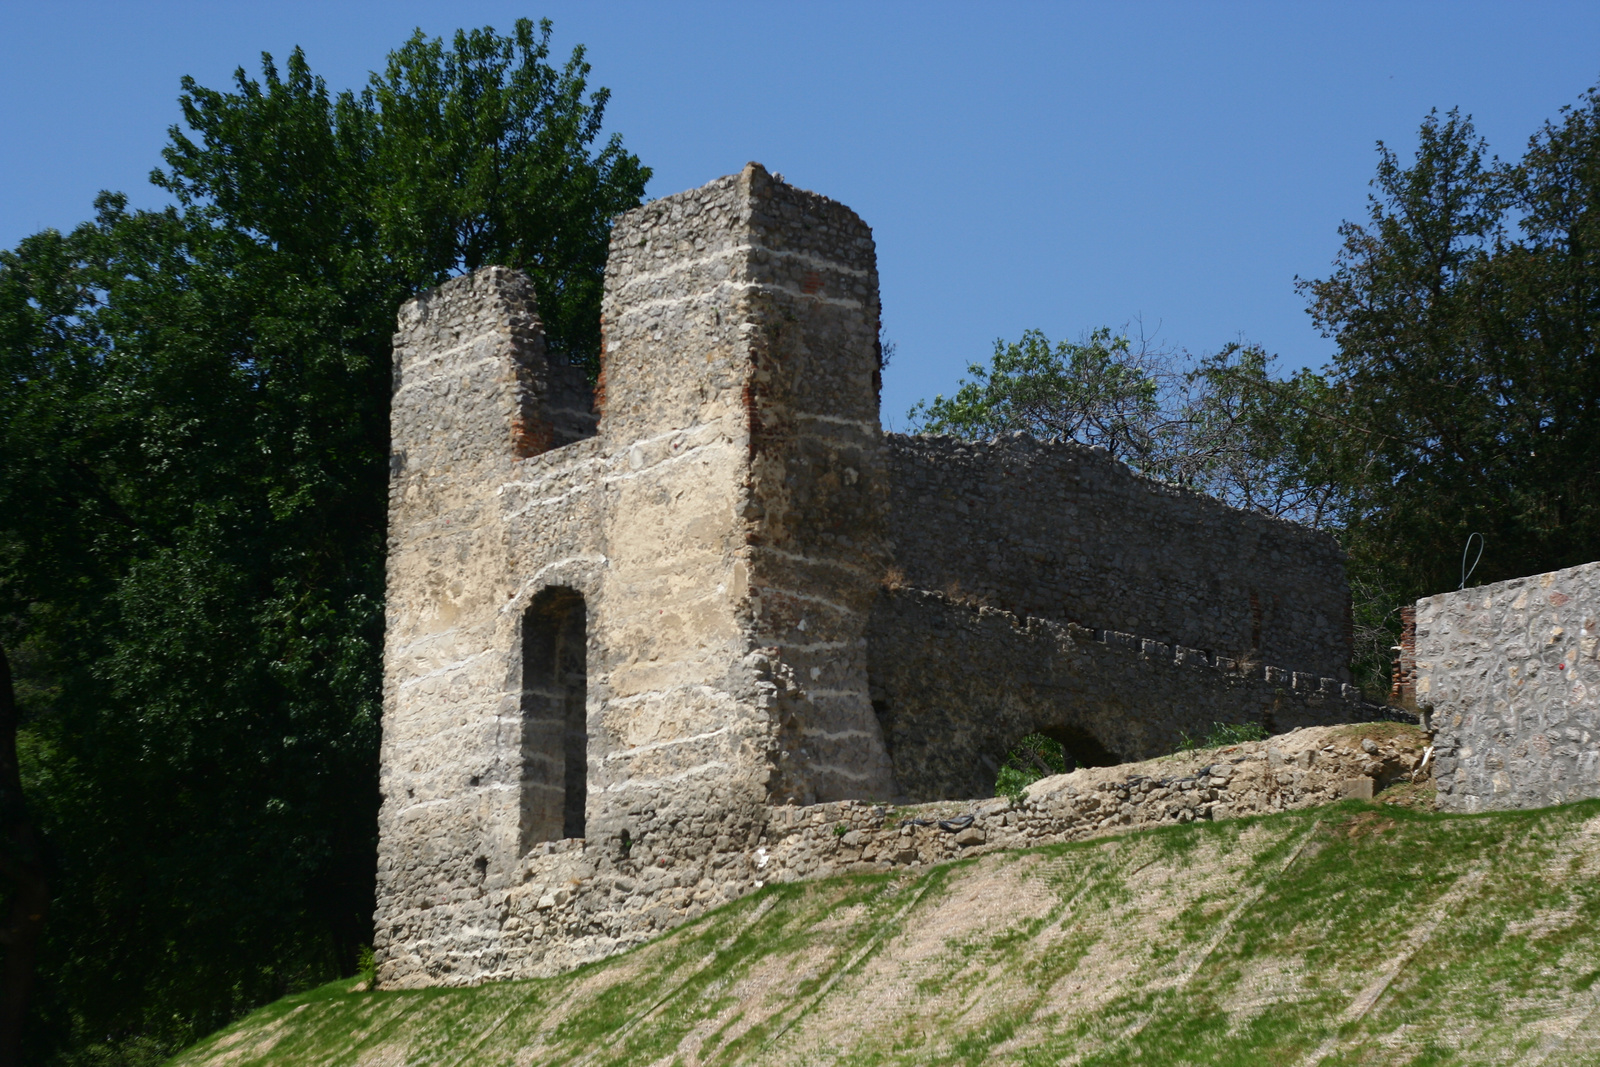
point(1034, 757)
point(1465, 393)
point(27, 880)
point(1220, 424)
point(193, 478)
point(1099, 392)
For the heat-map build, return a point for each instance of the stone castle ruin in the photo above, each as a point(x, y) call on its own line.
point(633, 630)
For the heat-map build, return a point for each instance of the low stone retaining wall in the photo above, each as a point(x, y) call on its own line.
point(1316, 765)
point(577, 902)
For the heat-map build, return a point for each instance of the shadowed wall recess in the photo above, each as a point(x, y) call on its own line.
point(554, 777)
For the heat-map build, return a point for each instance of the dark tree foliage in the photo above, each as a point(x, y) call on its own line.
point(1465, 393)
point(193, 471)
point(26, 876)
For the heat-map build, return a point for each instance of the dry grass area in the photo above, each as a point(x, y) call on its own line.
point(1358, 933)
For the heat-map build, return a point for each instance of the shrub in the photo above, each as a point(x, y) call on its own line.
point(1035, 756)
point(367, 967)
point(1223, 733)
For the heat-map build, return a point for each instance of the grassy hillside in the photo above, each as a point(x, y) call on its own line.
point(1351, 934)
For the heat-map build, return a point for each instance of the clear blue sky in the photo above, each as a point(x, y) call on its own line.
point(1058, 166)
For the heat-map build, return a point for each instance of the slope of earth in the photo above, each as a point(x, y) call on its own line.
point(1348, 934)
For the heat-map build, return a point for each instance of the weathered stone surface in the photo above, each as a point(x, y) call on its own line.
point(631, 641)
point(714, 550)
point(1358, 788)
point(1059, 530)
point(956, 685)
point(1511, 675)
point(581, 902)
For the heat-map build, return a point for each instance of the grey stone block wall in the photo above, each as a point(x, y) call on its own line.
point(1510, 674)
point(1059, 530)
point(957, 685)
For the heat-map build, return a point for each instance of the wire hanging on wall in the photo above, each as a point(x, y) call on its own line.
point(1466, 572)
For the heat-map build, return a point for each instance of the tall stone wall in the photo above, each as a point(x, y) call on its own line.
point(470, 389)
point(818, 482)
point(680, 718)
point(1510, 674)
point(1058, 530)
point(957, 685)
point(741, 328)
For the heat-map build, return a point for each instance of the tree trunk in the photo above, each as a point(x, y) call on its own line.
point(22, 865)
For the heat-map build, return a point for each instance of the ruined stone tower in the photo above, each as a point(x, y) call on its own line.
point(601, 639)
point(628, 626)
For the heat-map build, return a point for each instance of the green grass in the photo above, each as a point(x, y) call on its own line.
point(1352, 934)
point(1222, 734)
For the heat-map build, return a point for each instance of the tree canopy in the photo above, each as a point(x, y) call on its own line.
point(1212, 424)
point(1462, 397)
point(193, 472)
point(1466, 378)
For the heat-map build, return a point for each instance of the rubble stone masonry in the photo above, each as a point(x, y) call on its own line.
point(1510, 676)
point(582, 902)
point(957, 684)
point(629, 638)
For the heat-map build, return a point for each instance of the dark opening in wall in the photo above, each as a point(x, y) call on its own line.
point(1083, 747)
point(555, 735)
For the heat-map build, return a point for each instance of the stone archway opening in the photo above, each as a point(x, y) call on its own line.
point(555, 733)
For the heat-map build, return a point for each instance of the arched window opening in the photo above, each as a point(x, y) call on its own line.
point(555, 734)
